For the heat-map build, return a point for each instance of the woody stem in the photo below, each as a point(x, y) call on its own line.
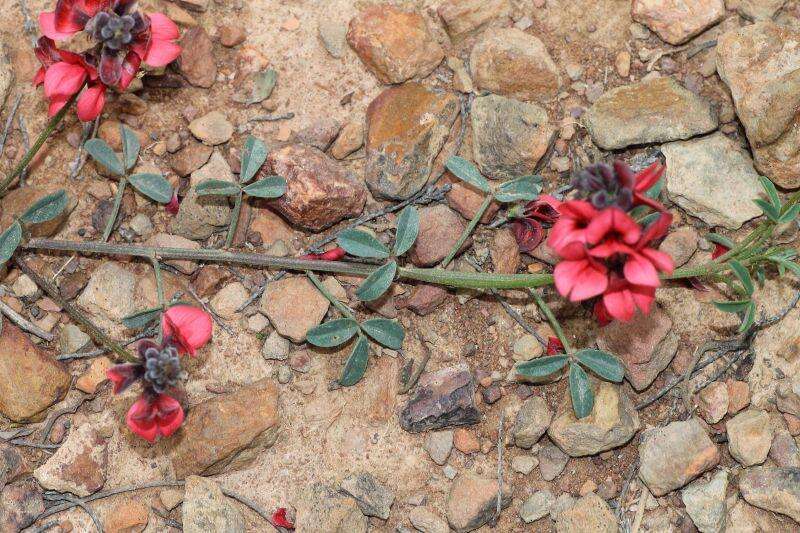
point(548, 313)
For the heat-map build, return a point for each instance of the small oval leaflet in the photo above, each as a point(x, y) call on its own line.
point(362, 244)
point(253, 157)
point(602, 363)
point(522, 189)
point(269, 187)
point(9, 240)
point(744, 276)
point(46, 208)
point(734, 306)
point(386, 332)
point(103, 154)
point(580, 391)
point(407, 230)
point(130, 147)
point(154, 186)
point(356, 364)
point(332, 333)
point(141, 319)
point(466, 171)
point(217, 188)
point(377, 283)
point(542, 366)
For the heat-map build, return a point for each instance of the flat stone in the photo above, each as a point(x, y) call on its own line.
point(590, 513)
point(79, 466)
point(229, 299)
point(466, 200)
point(20, 504)
point(319, 191)
point(512, 63)
point(226, 432)
point(165, 240)
point(333, 35)
point(206, 508)
point(713, 402)
point(293, 306)
point(749, 436)
point(612, 422)
point(276, 347)
point(672, 456)
point(705, 502)
point(30, 379)
point(532, 421)
point(472, 502)
point(350, 139)
point(192, 157)
point(738, 396)
point(552, 462)
point(784, 450)
point(712, 179)
point(394, 44)
point(197, 63)
point(745, 518)
point(323, 508)
point(526, 348)
point(758, 10)
point(445, 398)
point(212, 128)
point(217, 168)
point(676, 21)
point(773, 489)
point(128, 516)
point(18, 200)
point(199, 217)
point(524, 464)
point(508, 136)
point(537, 506)
point(72, 339)
point(110, 292)
point(761, 65)
point(787, 395)
point(372, 497)
point(439, 230)
point(465, 17)
point(426, 520)
point(407, 126)
point(439, 444)
point(652, 111)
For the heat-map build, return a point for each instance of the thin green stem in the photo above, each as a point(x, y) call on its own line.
point(468, 230)
point(346, 311)
point(235, 214)
point(159, 288)
point(548, 313)
point(112, 218)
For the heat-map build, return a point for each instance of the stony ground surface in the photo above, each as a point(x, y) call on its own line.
point(369, 100)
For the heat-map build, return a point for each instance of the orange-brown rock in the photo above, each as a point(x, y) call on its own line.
point(677, 21)
point(79, 465)
point(464, 17)
point(439, 230)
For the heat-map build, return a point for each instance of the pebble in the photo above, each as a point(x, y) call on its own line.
point(231, 35)
point(25, 288)
point(705, 502)
point(95, 376)
point(622, 64)
point(229, 299)
point(472, 502)
point(206, 508)
point(524, 464)
point(466, 17)
point(373, 497)
point(552, 462)
point(333, 33)
point(284, 374)
point(426, 520)
point(445, 398)
point(713, 402)
point(197, 62)
point(439, 444)
point(537, 506)
point(439, 230)
point(750, 436)
point(293, 306)
point(350, 139)
point(465, 441)
point(276, 347)
point(531, 423)
point(677, 22)
point(212, 128)
point(527, 347)
point(589, 513)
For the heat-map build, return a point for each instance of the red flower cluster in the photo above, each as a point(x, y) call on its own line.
point(528, 227)
point(118, 39)
point(604, 251)
point(185, 329)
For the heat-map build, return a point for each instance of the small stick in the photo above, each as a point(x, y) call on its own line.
point(426, 355)
point(500, 446)
point(643, 500)
point(272, 118)
point(214, 315)
point(24, 324)
point(61, 412)
point(26, 143)
point(80, 159)
point(9, 123)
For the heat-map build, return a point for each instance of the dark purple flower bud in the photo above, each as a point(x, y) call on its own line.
point(162, 367)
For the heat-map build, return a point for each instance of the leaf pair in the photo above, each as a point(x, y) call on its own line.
point(253, 157)
point(43, 210)
point(522, 189)
point(773, 208)
point(746, 288)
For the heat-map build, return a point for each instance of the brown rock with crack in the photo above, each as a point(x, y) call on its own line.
point(79, 466)
point(197, 62)
point(319, 191)
point(677, 21)
point(395, 45)
point(226, 432)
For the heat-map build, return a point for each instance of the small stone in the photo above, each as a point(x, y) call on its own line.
point(128, 516)
point(472, 502)
point(526, 348)
point(787, 395)
point(72, 339)
point(350, 139)
point(492, 394)
point(12, 465)
point(276, 347)
point(773, 489)
point(680, 244)
point(18, 200)
point(192, 157)
point(372, 497)
point(293, 306)
point(532, 421)
point(713, 402)
point(524, 464)
point(465, 17)
point(449, 472)
point(24, 287)
point(206, 508)
point(165, 240)
point(590, 513)
point(257, 323)
point(323, 508)
point(425, 299)
point(439, 230)
point(171, 498)
point(677, 22)
point(552, 462)
point(588, 486)
point(749, 437)
point(438, 444)
point(78, 466)
point(141, 225)
point(231, 35)
point(227, 301)
point(757, 10)
point(622, 63)
point(426, 520)
point(110, 292)
point(444, 398)
point(784, 450)
point(197, 63)
point(285, 374)
point(705, 502)
point(537, 506)
point(465, 441)
point(333, 33)
point(212, 128)
point(210, 279)
point(94, 376)
point(20, 504)
point(320, 134)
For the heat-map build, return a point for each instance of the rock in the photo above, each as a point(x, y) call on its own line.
point(206, 508)
point(227, 301)
point(758, 10)
point(165, 240)
point(504, 252)
point(532, 422)
point(646, 345)
point(705, 502)
point(6, 78)
point(787, 395)
point(12, 465)
point(210, 279)
point(680, 244)
point(194, 156)
point(425, 299)
point(212, 128)
point(407, 126)
point(524, 464)
point(760, 64)
point(472, 502)
point(199, 217)
point(677, 22)
point(622, 64)
point(784, 450)
point(372, 497)
point(320, 134)
point(425, 520)
point(749, 436)
point(332, 33)
point(395, 45)
point(30, 380)
point(18, 200)
point(537, 506)
point(672, 456)
point(465, 441)
point(464, 17)
point(738, 396)
point(110, 132)
point(773, 489)
point(319, 191)
point(512, 63)
point(466, 199)
point(95, 376)
point(563, 502)
point(612, 422)
point(197, 62)
point(744, 518)
point(25, 288)
point(650, 111)
point(128, 516)
point(110, 292)
point(590, 513)
point(693, 180)
point(444, 398)
point(20, 504)
point(217, 168)
point(552, 462)
point(231, 35)
point(322, 508)
point(438, 444)
point(78, 466)
point(227, 431)
point(350, 139)
point(72, 339)
point(293, 306)
point(526, 348)
point(439, 230)
point(508, 137)
point(713, 402)
point(276, 347)
point(141, 225)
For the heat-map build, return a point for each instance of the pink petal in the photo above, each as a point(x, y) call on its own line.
point(47, 23)
point(129, 69)
point(659, 228)
point(662, 260)
point(640, 271)
point(643, 297)
point(39, 78)
point(162, 27)
point(619, 304)
point(190, 326)
point(91, 102)
point(592, 282)
point(140, 419)
point(63, 79)
point(599, 227)
point(169, 415)
point(649, 176)
point(56, 105)
point(609, 248)
point(161, 53)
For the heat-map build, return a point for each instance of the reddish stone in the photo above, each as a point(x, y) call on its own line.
point(425, 298)
point(738, 395)
point(197, 61)
point(439, 230)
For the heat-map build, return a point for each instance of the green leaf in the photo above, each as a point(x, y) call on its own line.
point(386, 332)
point(580, 391)
point(46, 208)
point(141, 319)
point(602, 363)
point(541, 366)
point(718, 238)
point(655, 191)
point(734, 306)
point(253, 157)
point(743, 275)
point(9, 240)
point(771, 191)
point(332, 333)
point(377, 283)
point(649, 219)
point(768, 209)
point(356, 364)
point(790, 214)
point(269, 187)
point(218, 188)
point(466, 171)
point(749, 317)
point(362, 244)
point(407, 230)
point(130, 147)
point(791, 265)
point(103, 154)
point(522, 189)
point(154, 186)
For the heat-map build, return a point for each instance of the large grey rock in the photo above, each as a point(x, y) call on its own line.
point(206, 508)
point(712, 179)
point(705, 502)
point(773, 489)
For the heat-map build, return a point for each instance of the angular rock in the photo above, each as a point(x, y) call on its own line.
point(199, 217)
point(206, 508)
point(110, 292)
point(508, 136)
point(395, 45)
point(713, 402)
point(787, 395)
point(504, 252)
point(276, 347)
point(20, 504)
point(197, 62)
point(18, 200)
point(444, 398)
point(94, 376)
point(425, 299)
point(322, 508)
point(745, 518)
point(472, 502)
point(439, 444)
point(192, 157)
point(407, 126)
point(165, 240)
point(464, 17)
point(212, 128)
point(293, 306)
point(612, 422)
point(652, 111)
point(537, 506)
point(705, 502)
point(761, 65)
point(425, 520)
point(350, 139)
point(590, 513)
point(738, 396)
point(372, 497)
point(646, 345)
point(78, 466)
point(229, 299)
point(439, 230)
point(784, 450)
point(217, 168)
point(524, 464)
point(758, 10)
point(319, 191)
point(12, 464)
point(773, 489)
point(676, 21)
point(466, 199)
point(512, 63)
point(750, 436)
point(672, 456)
point(226, 432)
point(333, 35)
point(128, 516)
point(712, 179)
point(532, 422)
point(552, 462)
point(680, 244)
point(30, 380)
point(320, 134)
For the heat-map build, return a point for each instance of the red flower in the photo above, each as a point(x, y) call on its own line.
point(152, 416)
point(719, 250)
point(579, 276)
point(554, 346)
point(644, 181)
point(279, 519)
point(188, 326)
point(334, 254)
point(574, 219)
point(528, 229)
point(602, 315)
point(174, 205)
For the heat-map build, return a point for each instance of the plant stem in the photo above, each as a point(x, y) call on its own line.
point(548, 313)
point(237, 210)
point(115, 210)
point(159, 289)
point(468, 230)
point(330, 297)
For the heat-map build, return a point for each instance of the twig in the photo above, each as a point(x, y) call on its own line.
point(271, 118)
point(700, 47)
point(722, 371)
point(45, 527)
point(24, 324)
point(500, 446)
point(61, 412)
point(28, 444)
point(89, 132)
point(211, 312)
point(26, 144)
point(518, 318)
point(412, 380)
point(9, 123)
point(661, 53)
point(643, 500)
